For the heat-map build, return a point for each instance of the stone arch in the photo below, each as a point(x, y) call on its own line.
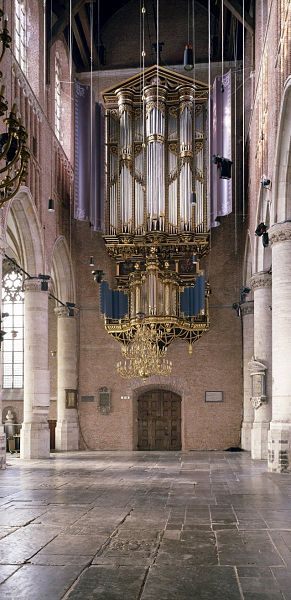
point(248, 261)
point(62, 272)
point(281, 210)
point(24, 233)
point(156, 383)
point(262, 255)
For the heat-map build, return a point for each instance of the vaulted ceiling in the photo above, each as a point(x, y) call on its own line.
point(96, 25)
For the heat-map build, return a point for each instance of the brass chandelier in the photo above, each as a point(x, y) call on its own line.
point(14, 154)
point(143, 357)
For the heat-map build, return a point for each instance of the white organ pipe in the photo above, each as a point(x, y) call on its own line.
point(186, 155)
point(125, 99)
point(152, 293)
point(155, 132)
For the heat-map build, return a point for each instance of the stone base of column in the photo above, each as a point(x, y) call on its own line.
point(259, 441)
point(279, 448)
point(34, 440)
point(246, 432)
point(67, 436)
point(2, 450)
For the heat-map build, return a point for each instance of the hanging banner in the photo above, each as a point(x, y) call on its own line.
point(221, 189)
point(89, 158)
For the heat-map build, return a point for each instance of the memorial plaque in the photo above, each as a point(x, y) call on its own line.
point(214, 396)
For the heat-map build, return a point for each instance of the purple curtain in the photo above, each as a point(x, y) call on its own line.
point(221, 189)
point(89, 158)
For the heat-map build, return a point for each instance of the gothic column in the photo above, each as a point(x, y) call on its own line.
point(280, 429)
point(3, 247)
point(247, 311)
point(67, 428)
point(261, 284)
point(35, 437)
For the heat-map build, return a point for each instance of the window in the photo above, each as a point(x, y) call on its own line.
point(20, 34)
point(58, 101)
point(12, 346)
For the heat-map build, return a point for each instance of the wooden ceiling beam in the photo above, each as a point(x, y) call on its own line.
point(235, 8)
point(80, 44)
point(86, 28)
point(64, 19)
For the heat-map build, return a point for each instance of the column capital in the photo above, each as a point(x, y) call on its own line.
point(63, 312)
point(262, 279)
point(247, 308)
point(280, 232)
point(34, 284)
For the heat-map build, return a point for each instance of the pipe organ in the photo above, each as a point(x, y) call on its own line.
point(156, 203)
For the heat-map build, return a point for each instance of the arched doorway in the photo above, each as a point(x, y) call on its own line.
point(159, 420)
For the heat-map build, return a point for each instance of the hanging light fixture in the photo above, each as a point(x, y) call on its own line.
point(143, 357)
point(188, 52)
point(188, 57)
point(51, 205)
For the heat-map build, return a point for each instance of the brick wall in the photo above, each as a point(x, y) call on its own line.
point(214, 365)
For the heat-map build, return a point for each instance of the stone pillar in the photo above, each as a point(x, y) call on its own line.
point(3, 247)
point(247, 311)
point(262, 287)
point(280, 429)
point(67, 428)
point(34, 435)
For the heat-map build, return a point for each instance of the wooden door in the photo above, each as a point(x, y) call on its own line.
point(159, 421)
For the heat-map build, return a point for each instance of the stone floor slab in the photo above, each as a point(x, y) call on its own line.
point(85, 545)
point(144, 526)
point(109, 583)
point(182, 583)
point(6, 571)
point(247, 548)
point(23, 543)
point(39, 582)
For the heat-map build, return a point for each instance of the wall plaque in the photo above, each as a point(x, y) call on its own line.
point(104, 400)
point(71, 398)
point(214, 396)
point(87, 398)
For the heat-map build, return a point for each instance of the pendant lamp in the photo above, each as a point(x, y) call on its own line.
point(188, 58)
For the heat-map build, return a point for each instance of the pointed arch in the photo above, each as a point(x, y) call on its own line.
point(24, 234)
point(282, 169)
point(248, 261)
point(62, 272)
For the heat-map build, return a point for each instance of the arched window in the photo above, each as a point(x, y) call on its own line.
point(20, 33)
point(58, 99)
point(12, 325)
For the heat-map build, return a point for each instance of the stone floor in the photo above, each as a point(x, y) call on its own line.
point(144, 526)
